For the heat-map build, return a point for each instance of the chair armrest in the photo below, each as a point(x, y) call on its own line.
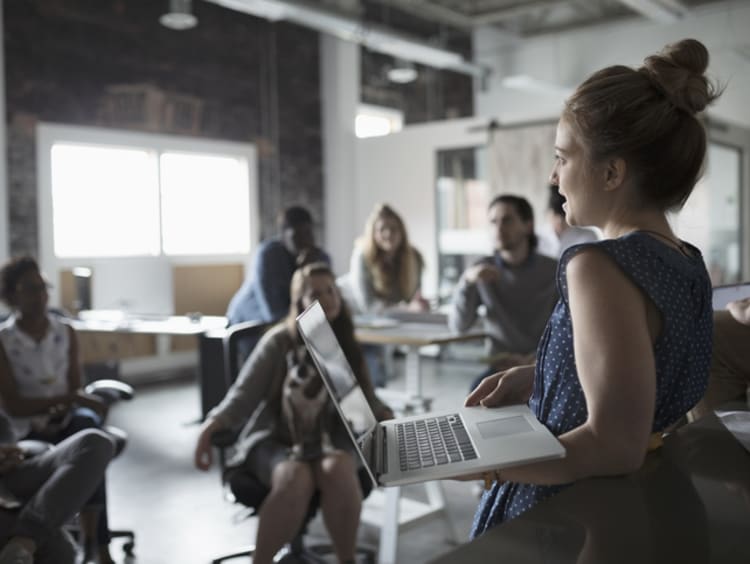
point(31, 447)
point(110, 390)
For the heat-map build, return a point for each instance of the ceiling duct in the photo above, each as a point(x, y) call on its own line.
point(662, 11)
point(375, 38)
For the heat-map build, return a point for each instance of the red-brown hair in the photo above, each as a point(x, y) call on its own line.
point(647, 116)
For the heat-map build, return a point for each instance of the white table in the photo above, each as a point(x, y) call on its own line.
point(120, 322)
point(210, 372)
point(386, 507)
point(431, 329)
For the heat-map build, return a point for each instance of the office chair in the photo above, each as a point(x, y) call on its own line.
point(246, 489)
point(112, 391)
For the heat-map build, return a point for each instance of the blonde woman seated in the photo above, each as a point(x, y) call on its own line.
point(294, 442)
point(384, 272)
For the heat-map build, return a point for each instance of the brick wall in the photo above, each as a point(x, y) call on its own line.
point(251, 80)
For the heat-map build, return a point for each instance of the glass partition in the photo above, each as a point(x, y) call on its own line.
point(710, 218)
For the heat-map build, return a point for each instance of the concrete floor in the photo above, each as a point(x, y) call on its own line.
point(179, 514)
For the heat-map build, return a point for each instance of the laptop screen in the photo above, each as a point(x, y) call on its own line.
point(339, 379)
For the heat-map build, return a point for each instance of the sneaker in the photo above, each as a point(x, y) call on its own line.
point(15, 553)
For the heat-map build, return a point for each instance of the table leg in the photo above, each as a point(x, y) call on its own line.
point(413, 372)
point(389, 531)
point(436, 499)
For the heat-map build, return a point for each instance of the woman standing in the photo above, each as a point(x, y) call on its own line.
point(627, 350)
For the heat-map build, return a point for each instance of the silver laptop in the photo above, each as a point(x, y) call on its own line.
point(722, 295)
point(423, 447)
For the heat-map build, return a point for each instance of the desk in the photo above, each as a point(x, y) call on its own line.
point(690, 502)
point(106, 329)
point(432, 329)
point(385, 507)
point(119, 322)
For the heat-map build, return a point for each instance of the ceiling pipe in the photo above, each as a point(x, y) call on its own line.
point(662, 11)
point(373, 37)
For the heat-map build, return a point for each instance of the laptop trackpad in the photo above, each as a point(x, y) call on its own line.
point(504, 426)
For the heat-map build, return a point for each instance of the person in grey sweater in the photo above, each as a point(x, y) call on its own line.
point(268, 443)
point(516, 286)
point(39, 494)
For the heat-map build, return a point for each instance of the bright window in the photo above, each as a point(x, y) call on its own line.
point(118, 194)
point(204, 203)
point(375, 121)
point(96, 194)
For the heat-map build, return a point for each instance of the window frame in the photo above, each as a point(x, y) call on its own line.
point(49, 134)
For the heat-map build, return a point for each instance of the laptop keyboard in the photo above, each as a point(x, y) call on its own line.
point(433, 441)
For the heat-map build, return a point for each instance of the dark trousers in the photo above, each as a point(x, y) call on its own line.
point(83, 418)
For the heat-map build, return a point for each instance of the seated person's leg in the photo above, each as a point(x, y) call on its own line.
point(94, 520)
point(340, 501)
point(56, 484)
point(284, 510)
point(59, 548)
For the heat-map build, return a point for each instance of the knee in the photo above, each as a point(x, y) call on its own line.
point(96, 446)
point(293, 479)
point(338, 471)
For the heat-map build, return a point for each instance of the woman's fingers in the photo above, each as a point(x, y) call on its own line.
point(480, 392)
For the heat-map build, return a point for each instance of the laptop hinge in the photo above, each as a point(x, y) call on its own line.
point(379, 450)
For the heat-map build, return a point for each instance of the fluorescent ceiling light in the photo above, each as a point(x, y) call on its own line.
point(527, 83)
point(663, 11)
point(180, 16)
point(402, 72)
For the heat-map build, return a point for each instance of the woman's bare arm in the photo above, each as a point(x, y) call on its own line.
point(614, 358)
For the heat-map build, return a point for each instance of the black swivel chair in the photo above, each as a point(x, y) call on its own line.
point(245, 488)
point(112, 391)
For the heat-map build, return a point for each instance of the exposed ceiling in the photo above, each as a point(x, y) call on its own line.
point(431, 32)
point(533, 17)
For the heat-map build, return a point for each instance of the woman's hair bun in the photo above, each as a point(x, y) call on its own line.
point(678, 73)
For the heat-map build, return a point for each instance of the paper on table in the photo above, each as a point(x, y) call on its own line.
point(375, 322)
point(737, 423)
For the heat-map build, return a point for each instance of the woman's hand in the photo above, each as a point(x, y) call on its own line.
point(10, 457)
point(482, 272)
point(418, 303)
point(740, 310)
point(512, 386)
point(203, 451)
point(382, 411)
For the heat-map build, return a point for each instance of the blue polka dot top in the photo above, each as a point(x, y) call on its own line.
point(681, 290)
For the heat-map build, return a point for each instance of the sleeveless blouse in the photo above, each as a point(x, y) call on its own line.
point(39, 369)
point(680, 289)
